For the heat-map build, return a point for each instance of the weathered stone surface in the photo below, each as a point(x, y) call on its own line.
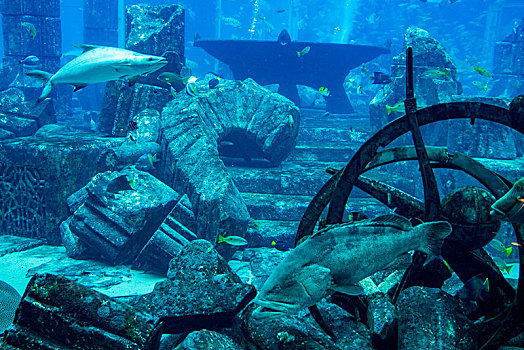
point(57, 313)
point(382, 316)
point(129, 152)
point(260, 123)
point(262, 261)
point(429, 317)
point(39, 173)
point(19, 117)
point(428, 55)
point(10, 244)
point(154, 30)
point(157, 30)
point(200, 292)
point(302, 332)
point(122, 103)
point(205, 339)
point(173, 234)
point(114, 227)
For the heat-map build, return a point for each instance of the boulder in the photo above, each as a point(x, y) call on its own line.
point(123, 103)
point(302, 332)
point(57, 313)
point(200, 292)
point(19, 117)
point(206, 339)
point(259, 124)
point(429, 317)
point(429, 57)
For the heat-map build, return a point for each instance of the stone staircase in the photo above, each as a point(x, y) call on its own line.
point(278, 197)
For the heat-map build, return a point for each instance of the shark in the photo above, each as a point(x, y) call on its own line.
point(288, 63)
point(510, 207)
point(336, 258)
point(99, 64)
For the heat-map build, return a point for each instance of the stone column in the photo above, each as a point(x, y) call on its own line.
point(154, 30)
point(30, 27)
point(101, 22)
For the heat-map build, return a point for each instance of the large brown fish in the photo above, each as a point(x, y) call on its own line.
point(510, 207)
point(338, 257)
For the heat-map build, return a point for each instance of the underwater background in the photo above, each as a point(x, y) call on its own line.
point(294, 174)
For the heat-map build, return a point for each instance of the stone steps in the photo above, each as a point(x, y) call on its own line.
point(305, 178)
point(292, 207)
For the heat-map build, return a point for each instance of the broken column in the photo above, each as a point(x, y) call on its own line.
point(58, 313)
point(154, 30)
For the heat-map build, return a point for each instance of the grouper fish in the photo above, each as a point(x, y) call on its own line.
point(338, 257)
point(510, 207)
point(99, 64)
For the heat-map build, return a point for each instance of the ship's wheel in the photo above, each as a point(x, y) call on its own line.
point(462, 252)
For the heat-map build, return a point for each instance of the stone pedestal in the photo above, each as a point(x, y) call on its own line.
point(37, 174)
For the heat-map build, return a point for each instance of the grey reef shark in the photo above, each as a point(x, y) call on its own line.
point(289, 63)
point(99, 64)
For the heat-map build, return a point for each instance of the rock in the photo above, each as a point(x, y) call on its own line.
point(58, 313)
point(39, 173)
point(206, 339)
point(428, 55)
point(262, 261)
point(122, 103)
point(157, 30)
point(129, 152)
point(429, 317)
point(20, 117)
point(302, 332)
point(149, 125)
point(243, 113)
point(115, 226)
point(382, 316)
point(10, 244)
point(200, 292)
point(173, 234)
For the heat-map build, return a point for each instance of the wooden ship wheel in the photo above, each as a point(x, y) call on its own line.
point(462, 251)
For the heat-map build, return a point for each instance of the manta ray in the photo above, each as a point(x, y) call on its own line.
point(289, 63)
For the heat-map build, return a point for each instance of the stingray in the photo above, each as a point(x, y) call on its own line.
point(279, 62)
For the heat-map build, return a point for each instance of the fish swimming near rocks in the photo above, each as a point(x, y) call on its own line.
point(99, 64)
point(510, 207)
point(9, 300)
point(338, 257)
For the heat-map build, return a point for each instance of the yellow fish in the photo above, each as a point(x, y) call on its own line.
point(397, 108)
point(30, 27)
point(304, 51)
point(483, 71)
point(233, 240)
